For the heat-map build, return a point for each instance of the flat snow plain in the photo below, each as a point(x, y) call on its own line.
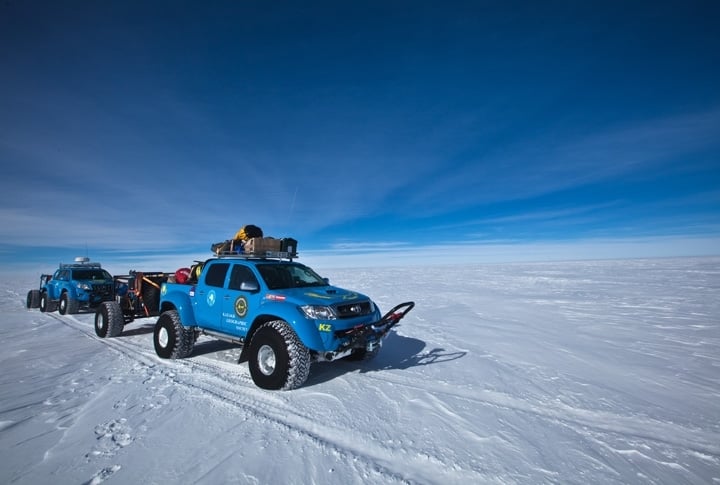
point(573, 373)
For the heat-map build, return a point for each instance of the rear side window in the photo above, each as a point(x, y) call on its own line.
point(239, 275)
point(215, 275)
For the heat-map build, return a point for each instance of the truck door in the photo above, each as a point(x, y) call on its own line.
point(209, 296)
point(53, 286)
point(241, 302)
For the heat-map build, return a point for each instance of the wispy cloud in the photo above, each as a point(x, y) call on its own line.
point(545, 215)
point(504, 252)
point(368, 246)
point(554, 161)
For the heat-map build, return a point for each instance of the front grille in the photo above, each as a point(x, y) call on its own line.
point(102, 290)
point(357, 309)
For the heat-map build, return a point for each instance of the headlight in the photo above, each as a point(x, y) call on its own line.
point(318, 312)
point(84, 286)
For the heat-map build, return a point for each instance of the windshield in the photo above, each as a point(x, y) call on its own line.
point(91, 274)
point(281, 276)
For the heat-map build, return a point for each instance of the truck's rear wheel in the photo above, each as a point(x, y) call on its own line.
point(33, 299)
point(278, 359)
point(171, 339)
point(109, 319)
point(67, 305)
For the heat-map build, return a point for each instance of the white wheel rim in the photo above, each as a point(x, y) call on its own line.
point(163, 337)
point(266, 360)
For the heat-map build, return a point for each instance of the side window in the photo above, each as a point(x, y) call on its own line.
point(239, 275)
point(215, 275)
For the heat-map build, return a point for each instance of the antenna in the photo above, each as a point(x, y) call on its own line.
point(292, 205)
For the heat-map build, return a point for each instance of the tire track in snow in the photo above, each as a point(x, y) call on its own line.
point(223, 383)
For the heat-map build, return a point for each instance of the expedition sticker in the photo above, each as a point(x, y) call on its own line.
point(211, 298)
point(241, 306)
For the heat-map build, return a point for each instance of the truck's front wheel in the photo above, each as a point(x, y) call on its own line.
point(67, 305)
point(171, 339)
point(278, 359)
point(46, 304)
point(109, 319)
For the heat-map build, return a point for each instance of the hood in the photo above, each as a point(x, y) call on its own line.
point(318, 295)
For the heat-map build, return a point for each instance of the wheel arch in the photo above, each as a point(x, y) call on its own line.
point(71, 294)
point(184, 310)
point(310, 337)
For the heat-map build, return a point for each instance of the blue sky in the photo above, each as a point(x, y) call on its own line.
point(369, 131)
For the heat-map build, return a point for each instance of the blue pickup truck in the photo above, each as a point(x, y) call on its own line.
point(73, 287)
point(283, 314)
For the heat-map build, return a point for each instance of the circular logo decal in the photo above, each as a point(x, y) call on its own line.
point(211, 298)
point(241, 306)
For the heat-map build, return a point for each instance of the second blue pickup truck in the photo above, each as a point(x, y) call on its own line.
point(73, 287)
point(282, 312)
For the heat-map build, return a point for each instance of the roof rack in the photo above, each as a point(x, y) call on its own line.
point(259, 255)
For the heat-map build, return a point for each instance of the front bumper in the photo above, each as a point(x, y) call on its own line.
point(367, 336)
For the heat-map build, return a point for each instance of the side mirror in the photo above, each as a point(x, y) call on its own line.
point(327, 281)
point(249, 286)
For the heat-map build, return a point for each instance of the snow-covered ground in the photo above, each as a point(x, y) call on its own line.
point(579, 372)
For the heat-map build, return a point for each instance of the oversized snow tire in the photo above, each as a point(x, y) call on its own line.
point(33, 299)
point(151, 297)
point(109, 319)
point(278, 359)
point(46, 304)
point(67, 306)
point(171, 339)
